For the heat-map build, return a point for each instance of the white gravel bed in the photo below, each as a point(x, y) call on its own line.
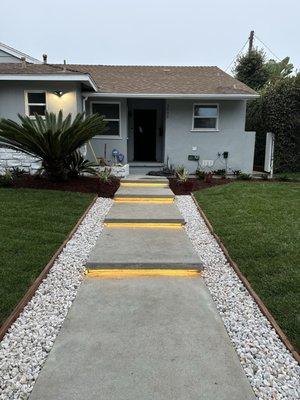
point(25, 347)
point(272, 370)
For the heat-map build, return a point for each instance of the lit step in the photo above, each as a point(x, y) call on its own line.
point(139, 248)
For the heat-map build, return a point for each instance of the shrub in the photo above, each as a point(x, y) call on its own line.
point(52, 139)
point(200, 174)
point(181, 174)
point(17, 172)
point(6, 180)
point(236, 172)
point(220, 172)
point(105, 175)
point(244, 177)
point(284, 178)
point(278, 111)
point(78, 165)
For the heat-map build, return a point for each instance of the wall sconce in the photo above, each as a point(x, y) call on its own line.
point(58, 93)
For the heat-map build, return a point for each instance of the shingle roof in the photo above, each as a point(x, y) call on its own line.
point(32, 69)
point(144, 79)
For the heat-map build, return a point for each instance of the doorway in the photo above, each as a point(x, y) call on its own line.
point(144, 129)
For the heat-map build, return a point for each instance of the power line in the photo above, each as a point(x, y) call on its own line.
point(267, 47)
point(236, 56)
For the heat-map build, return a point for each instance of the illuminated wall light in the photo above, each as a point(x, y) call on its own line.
point(58, 93)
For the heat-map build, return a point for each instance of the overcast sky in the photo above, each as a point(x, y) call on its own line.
point(152, 32)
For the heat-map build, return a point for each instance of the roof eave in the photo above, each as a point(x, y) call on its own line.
point(83, 78)
point(205, 96)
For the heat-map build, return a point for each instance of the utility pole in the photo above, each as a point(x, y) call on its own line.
point(251, 38)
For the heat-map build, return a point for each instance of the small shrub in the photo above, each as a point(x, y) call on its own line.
point(265, 177)
point(17, 172)
point(78, 165)
point(200, 174)
point(236, 172)
point(6, 180)
point(245, 177)
point(181, 174)
point(220, 172)
point(105, 175)
point(284, 178)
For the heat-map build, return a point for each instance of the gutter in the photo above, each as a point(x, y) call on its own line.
point(212, 96)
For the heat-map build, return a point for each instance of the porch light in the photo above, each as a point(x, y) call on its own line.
point(58, 93)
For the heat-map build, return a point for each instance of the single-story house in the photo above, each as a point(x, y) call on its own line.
point(156, 115)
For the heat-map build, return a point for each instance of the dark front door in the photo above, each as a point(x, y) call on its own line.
point(144, 135)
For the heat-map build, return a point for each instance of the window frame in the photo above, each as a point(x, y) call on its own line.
point(216, 129)
point(108, 119)
point(27, 104)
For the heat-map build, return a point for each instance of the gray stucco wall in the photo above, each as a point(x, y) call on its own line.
point(12, 102)
point(231, 137)
point(12, 97)
point(119, 143)
point(178, 141)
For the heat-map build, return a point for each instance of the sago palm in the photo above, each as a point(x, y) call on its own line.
point(52, 139)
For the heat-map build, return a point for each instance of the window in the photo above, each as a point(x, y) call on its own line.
point(111, 114)
point(35, 103)
point(205, 117)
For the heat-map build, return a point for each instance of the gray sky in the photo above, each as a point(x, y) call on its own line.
point(155, 32)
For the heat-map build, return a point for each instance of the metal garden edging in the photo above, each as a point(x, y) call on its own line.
point(32, 289)
point(247, 285)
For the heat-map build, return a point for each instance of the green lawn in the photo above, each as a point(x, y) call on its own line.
point(33, 224)
point(259, 224)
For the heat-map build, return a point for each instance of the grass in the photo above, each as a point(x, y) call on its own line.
point(259, 224)
point(34, 223)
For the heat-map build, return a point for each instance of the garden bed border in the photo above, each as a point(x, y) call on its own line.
point(246, 283)
point(33, 288)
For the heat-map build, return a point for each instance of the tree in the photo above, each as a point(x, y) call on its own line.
point(278, 70)
point(53, 140)
point(278, 111)
point(250, 69)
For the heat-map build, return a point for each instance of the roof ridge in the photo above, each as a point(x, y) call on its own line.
point(142, 65)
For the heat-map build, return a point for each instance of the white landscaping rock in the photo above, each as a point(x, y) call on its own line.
point(25, 347)
point(273, 372)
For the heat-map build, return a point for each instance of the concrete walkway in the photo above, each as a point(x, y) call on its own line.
point(149, 338)
point(143, 338)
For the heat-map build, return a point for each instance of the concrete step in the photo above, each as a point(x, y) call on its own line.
point(143, 248)
point(121, 213)
point(140, 193)
point(145, 179)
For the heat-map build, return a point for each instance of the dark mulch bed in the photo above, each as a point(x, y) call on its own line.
point(194, 184)
point(82, 184)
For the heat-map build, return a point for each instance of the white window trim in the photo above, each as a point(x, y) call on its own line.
point(108, 119)
point(27, 104)
point(216, 129)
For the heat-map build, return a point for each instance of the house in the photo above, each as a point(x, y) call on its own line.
point(156, 115)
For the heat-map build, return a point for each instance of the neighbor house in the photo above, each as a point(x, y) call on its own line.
point(156, 115)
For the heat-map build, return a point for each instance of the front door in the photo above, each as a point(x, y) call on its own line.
point(145, 135)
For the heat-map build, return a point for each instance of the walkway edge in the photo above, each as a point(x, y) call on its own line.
point(248, 286)
point(33, 288)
